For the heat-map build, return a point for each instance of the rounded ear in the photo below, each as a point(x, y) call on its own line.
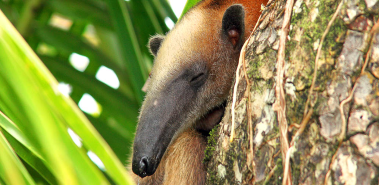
point(233, 25)
point(155, 43)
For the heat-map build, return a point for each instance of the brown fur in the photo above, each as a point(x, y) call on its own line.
point(182, 162)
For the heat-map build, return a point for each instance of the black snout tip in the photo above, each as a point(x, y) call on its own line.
point(141, 167)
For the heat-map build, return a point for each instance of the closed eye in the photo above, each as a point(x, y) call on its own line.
point(198, 79)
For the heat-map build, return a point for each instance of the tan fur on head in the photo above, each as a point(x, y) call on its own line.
point(191, 78)
point(198, 40)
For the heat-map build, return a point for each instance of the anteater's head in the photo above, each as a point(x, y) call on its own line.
point(190, 81)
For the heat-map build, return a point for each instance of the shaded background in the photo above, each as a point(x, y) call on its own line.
point(97, 51)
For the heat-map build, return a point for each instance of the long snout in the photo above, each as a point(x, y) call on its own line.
point(151, 141)
point(163, 115)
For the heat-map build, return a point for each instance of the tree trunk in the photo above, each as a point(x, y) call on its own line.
point(344, 146)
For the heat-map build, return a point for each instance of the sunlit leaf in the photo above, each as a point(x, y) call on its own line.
point(48, 115)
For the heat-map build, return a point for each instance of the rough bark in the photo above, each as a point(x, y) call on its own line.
point(352, 38)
